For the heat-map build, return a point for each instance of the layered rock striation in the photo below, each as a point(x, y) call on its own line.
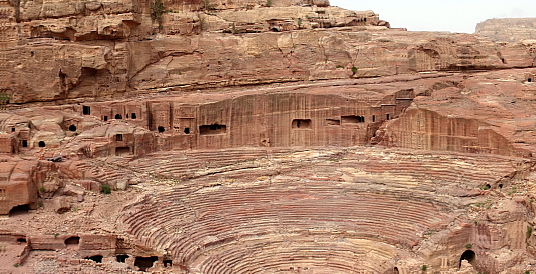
point(508, 29)
point(259, 137)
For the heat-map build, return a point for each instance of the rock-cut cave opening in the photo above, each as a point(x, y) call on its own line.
point(96, 258)
point(469, 256)
point(19, 210)
point(143, 263)
point(121, 258)
point(72, 241)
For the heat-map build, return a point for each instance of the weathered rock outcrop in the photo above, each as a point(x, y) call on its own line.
point(271, 136)
point(508, 29)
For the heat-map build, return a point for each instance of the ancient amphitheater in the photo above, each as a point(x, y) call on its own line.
point(279, 136)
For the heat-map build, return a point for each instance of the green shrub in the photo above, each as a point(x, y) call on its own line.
point(424, 267)
point(354, 70)
point(468, 246)
point(42, 189)
point(157, 10)
point(529, 231)
point(16, 265)
point(106, 189)
point(269, 3)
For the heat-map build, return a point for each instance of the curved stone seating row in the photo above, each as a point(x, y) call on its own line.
point(288, 252)
point(224, 215)
point(213, 225)
point(178, 163)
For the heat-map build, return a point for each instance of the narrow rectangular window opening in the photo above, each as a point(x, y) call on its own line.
point(352, 119)
point(387, 116)
point(105, 118)
point(119, 137)
point(302, 123)
point(86, 110)
point(211, 129)
point(133, 116)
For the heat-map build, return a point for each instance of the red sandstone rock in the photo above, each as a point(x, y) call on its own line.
point(267, 178)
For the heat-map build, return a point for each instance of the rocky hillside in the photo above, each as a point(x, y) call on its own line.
point(508, 29)
point(62, 50)
point(277, 136)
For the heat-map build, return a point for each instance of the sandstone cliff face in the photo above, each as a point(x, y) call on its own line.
point(116, 50)
point(259, 137)
point(508, 29)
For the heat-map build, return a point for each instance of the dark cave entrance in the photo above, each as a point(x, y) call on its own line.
point(212, 129)
point(469, 256)
point(143, 263)
point(41, 144)
point(19, 210)
point(86, 110)
point(72, 241)
point(72, 128)
point(96, 258)
point(352, 119)
point(118, 116)
point(121, 258)
point(302, 123)
point(161, 129)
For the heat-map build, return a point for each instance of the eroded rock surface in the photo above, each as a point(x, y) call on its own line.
point(508, 29)
point(260, 137)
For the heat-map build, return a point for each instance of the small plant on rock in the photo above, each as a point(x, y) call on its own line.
point(157, 11)
point(424, 267)
point(106, 189)
point(468, 246)
point(529, 231)
point(16, 265)
point(354, 70)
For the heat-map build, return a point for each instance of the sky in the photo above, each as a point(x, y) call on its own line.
point(445, 15)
